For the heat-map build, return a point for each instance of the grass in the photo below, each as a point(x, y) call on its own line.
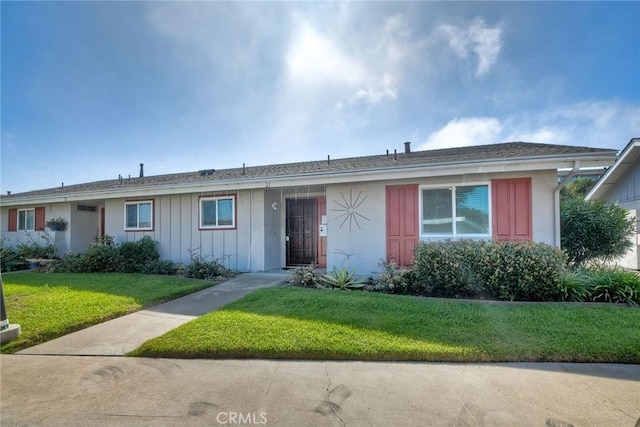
point(295, 323)
point(50, 305)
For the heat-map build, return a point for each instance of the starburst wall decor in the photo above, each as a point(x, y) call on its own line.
point(349, 209)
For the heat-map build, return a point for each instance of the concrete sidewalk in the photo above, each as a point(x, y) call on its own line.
point(119, 336)
point(107, 391)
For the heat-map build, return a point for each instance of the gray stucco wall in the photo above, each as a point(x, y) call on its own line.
point(356, 238)
point(84, 228)
point(363, 243)
point(61, 239)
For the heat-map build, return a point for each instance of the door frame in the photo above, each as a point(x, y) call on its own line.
point(319, 243)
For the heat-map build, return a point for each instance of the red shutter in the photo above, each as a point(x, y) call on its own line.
point(402, 222)
point(39, 214)
point(511, 209)
point(13, 220)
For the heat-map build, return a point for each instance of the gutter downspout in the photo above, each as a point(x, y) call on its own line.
point(556, 200)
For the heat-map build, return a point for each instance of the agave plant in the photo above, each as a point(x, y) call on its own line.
point(342, 279)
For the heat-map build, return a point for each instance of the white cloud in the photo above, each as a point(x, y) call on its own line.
point(605, 124)
point(544, 135)
point(314, 58)
point(372, 95)
point(478, 38)
point(464, 132)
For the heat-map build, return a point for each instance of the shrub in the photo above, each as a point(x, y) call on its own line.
point(447, 269)
point(616, 285)
point(576, 285)
point(523, 271)
point(304, 277)
point(164, 267)
point(394, 279)
point(592, 230)
point(36, 249)
point(9, 260)
point(100, 258)
point(135, 255)
point(200, 268)
point(70, 263)
point(103, 256)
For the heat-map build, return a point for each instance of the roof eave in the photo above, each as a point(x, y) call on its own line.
point(626, 159)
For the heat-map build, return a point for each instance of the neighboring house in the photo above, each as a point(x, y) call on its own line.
point(621, 183)
point(359, 210)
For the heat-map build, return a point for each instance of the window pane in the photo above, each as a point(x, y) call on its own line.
point(225, 212)
point(31, 220)
point(472, 209)
point(145, 215)
point(436, 212)
point(208, 213)
point(132, 216)
point(22, 220)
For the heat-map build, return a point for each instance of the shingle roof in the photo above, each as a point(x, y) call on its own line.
point(509, 150)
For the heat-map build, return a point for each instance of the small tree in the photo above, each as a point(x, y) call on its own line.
point(578, 188)
point(594, 231)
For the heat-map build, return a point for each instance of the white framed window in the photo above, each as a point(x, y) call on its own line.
point(138, 215)
point(455, 211)
point(217, 212)
point(26, 219)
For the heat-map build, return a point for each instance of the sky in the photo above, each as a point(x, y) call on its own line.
point(91, 89)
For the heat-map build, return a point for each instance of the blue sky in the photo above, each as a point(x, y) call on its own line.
point(92, 89)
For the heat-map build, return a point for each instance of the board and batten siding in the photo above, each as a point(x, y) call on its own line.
point(176, 229)
point(626, 190)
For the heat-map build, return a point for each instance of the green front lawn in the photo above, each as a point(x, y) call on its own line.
point(295, 323)
point(49, 305)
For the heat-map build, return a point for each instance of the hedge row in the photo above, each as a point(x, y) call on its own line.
point(523, 271)
point(137, 257)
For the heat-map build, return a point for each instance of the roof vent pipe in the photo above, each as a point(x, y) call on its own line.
point(141, 170)
point(407, 147)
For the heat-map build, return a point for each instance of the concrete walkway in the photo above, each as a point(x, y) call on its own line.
point(119, 336)
point(120, 391)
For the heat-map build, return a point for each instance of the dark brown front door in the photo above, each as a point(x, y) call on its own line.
point(301, 236)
